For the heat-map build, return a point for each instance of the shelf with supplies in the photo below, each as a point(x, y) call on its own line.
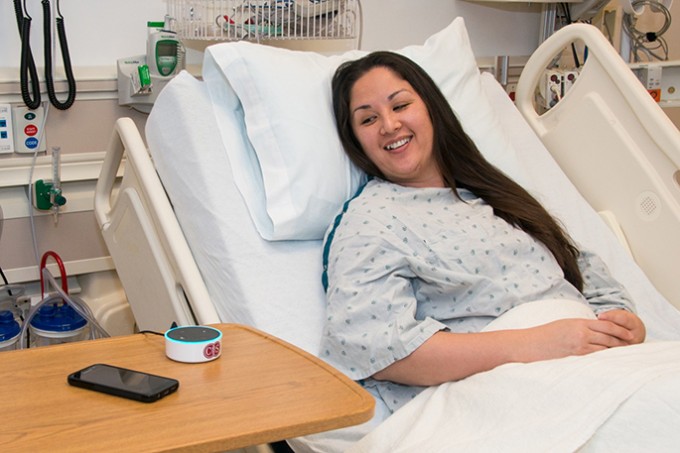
point(256, 20)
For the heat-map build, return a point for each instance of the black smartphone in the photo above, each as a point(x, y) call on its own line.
point(118, 381)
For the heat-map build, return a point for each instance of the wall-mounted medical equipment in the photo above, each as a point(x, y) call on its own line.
point(28, 127)
point(661, 79)
point(21, 129)
point(257, 20)
point(30, 85)
point(141, 78)
point(47, 194)
point(6, 130)
point(554, 85)
point(58, 317)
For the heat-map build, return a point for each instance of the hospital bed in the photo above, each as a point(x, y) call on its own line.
point(220, 215)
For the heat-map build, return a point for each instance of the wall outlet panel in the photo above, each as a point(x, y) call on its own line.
point(28, 133)
point(6, 130)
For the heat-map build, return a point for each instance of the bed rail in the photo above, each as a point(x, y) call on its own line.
point(157, 271)
point(629, 165)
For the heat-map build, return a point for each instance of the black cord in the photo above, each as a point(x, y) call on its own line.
point(4, 279)
point(567, 15)
point(27, 70)
point(66, 58)
point(152, 332)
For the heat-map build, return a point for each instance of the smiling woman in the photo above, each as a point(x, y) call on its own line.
point(439, 243)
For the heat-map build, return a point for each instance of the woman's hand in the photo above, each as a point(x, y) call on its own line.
point(567, 337)
point(627, 320)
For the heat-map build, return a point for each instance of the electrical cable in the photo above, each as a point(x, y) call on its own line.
point(647, 42)
point(2, 274)
point(567, 14)
point(66, 57)
point(27, 69)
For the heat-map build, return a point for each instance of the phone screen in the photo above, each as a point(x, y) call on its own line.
point(123, 382)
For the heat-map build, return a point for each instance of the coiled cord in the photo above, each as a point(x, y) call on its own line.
point(66, 58)
point(647, 42)
point(27, 70)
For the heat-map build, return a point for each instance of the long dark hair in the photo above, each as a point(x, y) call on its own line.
point(459, 160)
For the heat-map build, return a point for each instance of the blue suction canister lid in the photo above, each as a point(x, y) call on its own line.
point(9, 327)
point(57, 318)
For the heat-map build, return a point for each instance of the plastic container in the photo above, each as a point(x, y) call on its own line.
point(9, 331)
point(57, 324)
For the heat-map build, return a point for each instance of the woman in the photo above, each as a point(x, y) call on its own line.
point(439, 243)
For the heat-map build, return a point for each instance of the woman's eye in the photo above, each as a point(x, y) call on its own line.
point(367, 120)
point(401, 106)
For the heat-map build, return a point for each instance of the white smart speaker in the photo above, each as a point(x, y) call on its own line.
point(193, 344)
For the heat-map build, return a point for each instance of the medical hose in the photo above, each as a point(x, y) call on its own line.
point(27, 69)
point(66, 58)
point(79, 306)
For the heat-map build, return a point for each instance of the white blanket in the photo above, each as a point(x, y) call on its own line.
point(556, 406)
point(620, 399)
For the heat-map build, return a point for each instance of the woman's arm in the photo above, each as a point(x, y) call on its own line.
point(452, 356)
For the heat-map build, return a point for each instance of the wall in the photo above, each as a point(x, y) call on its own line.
point(120, 27)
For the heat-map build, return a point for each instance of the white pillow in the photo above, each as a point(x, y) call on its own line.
point(293, 173)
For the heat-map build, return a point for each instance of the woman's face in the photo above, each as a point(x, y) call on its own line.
point(393, 126)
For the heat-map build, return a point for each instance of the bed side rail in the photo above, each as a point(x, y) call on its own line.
point(148, 248)
point(618, 148)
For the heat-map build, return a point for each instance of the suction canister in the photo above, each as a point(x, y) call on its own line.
point(56, 324)
point(9, 331)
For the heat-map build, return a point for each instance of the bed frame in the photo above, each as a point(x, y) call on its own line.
point(597, 133)
point(628, 166)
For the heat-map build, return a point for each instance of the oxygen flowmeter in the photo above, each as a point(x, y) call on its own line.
point(142, 77)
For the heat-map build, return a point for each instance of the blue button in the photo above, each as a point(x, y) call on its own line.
point(31, 143)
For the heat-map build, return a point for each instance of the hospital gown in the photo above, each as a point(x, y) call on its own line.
point(404, 263)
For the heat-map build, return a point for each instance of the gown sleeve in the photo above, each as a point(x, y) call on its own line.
point(371, 306)
point(601, 290)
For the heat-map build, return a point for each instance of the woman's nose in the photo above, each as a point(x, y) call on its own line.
point(390, 124)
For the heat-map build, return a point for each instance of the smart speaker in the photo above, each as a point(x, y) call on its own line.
point(193, 344)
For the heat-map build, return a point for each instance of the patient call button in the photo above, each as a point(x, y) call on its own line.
point(31, 130)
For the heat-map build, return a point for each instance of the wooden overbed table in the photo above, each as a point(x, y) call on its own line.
point(260, 390)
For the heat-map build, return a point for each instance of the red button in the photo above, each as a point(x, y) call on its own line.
point(31, 130)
